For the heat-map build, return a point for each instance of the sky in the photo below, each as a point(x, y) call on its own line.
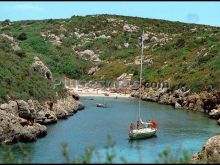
point(207, 12)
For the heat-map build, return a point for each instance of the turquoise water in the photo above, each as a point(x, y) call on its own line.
point(177, 129)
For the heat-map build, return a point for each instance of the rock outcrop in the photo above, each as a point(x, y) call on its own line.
point(103, 37)
point(14, 43)
point(42, 113)
point(210, 152)
point(15, 129)
point(55, 39)
point(93, 70)
point(155, 38)
point(22, 121)
point(215, 113)
point(89, 55)
point(40, 67)
point(130, 28)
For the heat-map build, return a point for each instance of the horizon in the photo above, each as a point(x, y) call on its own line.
point(185, 12)
point(109, 15)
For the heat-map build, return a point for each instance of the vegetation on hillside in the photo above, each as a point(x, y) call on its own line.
point(190, 58)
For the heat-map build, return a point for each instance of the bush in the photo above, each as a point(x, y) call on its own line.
point(20, 53)
point(3, 94)
point(180, 43)
point(37, 44)
point(22, 36)
point(5, 45)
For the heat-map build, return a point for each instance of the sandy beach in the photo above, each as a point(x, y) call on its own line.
point(98, 92)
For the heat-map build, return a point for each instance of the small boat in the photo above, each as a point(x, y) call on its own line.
point(144, 129)
point(101, 105)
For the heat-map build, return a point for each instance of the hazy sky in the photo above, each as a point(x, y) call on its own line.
point(189, 12)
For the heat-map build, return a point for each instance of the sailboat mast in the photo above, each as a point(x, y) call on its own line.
point(142, 52)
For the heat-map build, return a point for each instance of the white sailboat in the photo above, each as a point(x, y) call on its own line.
point(144, 129)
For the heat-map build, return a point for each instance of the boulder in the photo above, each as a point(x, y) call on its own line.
point(177, 105)
point(126, 45)
point(209, 153)
point(93, 70)
point(151, 95)
point(23, 110)
point(90, 55)
point(80, 107)
point(43, 114)
point(215, 113)
point(11, 107)
point(122, 76)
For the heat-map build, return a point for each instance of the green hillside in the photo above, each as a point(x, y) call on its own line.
point(186, 54)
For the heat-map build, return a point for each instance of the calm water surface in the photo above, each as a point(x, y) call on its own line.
point(177, 129)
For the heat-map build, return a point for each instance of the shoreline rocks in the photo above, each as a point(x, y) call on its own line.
point(209, 153)
point(205, 102)
point(15, 129)
point(22, 121)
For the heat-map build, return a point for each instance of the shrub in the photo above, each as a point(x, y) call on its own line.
point(20, 53)
point(22, 36)
point(37, 44)
point(3, 94)
point(180, 43)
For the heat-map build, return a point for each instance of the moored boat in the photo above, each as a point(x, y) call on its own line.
point(144, 129)
point(101, 105)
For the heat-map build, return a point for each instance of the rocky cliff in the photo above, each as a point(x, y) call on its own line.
point(210, 153)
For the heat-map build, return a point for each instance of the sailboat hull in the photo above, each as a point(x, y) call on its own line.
point(142, 133)
point(101, 105)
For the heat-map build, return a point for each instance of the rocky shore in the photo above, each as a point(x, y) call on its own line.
point(208, 103)
point(210, 152)
point(22, 121)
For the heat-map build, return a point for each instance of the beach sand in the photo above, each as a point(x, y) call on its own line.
point(99, 92)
